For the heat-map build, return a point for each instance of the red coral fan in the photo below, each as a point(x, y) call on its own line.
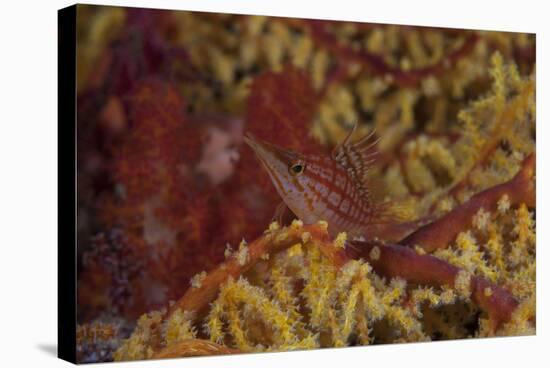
point(280, 109)
point(144, 162)
point(153, 200)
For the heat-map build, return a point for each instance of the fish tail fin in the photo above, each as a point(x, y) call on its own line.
point(396, 211)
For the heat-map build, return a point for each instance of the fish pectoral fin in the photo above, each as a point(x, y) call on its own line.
point(283, 214)
point(394, 232)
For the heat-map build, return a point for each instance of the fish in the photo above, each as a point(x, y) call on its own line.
point(334, 188)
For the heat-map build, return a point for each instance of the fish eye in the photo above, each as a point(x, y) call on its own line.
point(297, 168)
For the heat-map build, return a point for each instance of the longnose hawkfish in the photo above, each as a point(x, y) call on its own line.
point(333, 188)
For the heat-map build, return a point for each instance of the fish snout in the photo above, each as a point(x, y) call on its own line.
point(252, 142)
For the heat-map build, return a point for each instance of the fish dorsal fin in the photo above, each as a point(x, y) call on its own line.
point(357, 158)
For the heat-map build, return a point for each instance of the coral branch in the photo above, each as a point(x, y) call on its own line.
point(399, 261)
point(503, 125)
point(440, 233)
point(193, 347)
point(403, 78)
point(197, 298)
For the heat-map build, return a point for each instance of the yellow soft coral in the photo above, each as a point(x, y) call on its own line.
point(179, 327)
point(299, 299)
point(468, 256)
point(140, 344)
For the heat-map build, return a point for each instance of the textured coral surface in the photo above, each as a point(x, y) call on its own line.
point(177, 251)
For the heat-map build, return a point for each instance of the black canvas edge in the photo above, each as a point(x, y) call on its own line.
point(66, 187)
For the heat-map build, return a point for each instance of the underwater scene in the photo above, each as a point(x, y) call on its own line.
point(252, 184)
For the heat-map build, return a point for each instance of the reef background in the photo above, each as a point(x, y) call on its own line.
point(167, 189)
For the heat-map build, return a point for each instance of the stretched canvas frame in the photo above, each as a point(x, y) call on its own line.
point(445, 246)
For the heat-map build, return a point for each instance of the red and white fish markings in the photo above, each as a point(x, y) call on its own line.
point(322, 187)
point(333, 195)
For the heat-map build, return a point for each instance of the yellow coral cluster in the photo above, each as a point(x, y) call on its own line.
point(299, 298)
point(267, 309)
point(496, 132)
